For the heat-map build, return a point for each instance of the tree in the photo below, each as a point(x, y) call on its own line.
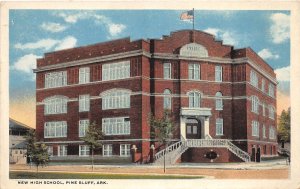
point(40, 155)
point(284, 126)
point(162, 130)
point(30, 140)
point(92, 137)
point(37, 152)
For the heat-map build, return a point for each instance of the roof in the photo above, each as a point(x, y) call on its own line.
point(21, 145)
point(13, 124)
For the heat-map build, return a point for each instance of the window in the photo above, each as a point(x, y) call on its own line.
point(219, 101)
point(56, 105)
point(194, 99)
point(83, 127)
point(255, 128)
point(271, 90)
point(56, 79)
point(255, 104)
point(116, 126)
point(50, 150)
point(195, 129)
point(113, 71)
point(167, 70)
point(116, 99)
point(55, 129)
point(253, 78)
point(125, 150)
point(84, 75)
point(219, 126)
point(263, 83)
point(218, 73)
point(189, 129)
point(272, 134)
point(264, 109)
point(62, 150)
point(84, 150)
point(107, 150)
point(84, 103)
point(264, 131)
point(167, 99)
point(271, 112)
point(194, 71)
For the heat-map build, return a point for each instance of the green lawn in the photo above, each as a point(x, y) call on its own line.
point(52, 175)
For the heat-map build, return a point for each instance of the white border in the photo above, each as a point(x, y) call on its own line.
point(293, 6)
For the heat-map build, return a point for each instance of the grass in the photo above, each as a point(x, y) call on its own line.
point(60, 175)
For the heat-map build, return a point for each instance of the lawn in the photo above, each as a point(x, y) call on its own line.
point(60, 175)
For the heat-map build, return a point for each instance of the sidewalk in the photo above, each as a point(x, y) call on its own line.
point(270, 164)
point(264, 165)
point(265, 170)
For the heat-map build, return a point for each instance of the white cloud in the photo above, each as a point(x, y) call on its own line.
point(267, 54)
point(283, 74)
point(53, 27)
point(213, 31)
point(74, 17)
point(280, 29)
point(228, 37)
point(48, 44)
point(26, 63)
point(68, 42)
point(116, 29)
point(45, 44)
point(113, 29)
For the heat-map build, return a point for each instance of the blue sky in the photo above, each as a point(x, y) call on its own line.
point(35, 32)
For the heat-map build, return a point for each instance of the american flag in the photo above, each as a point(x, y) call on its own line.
point(187, 15)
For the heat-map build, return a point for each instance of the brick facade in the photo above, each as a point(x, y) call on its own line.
point(147, 84)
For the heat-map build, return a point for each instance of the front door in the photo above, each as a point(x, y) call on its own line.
point(192, 131)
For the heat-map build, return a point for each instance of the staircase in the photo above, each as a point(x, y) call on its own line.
point(174, 151)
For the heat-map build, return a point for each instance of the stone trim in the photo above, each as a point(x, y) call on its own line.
point(158, 56)
point(162, 95)
point(93, 60)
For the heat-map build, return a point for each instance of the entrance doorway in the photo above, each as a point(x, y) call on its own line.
point(193, 129)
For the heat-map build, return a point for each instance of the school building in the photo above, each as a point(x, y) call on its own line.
point(221, 100)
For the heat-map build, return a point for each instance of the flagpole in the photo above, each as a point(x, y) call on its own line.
point(193, 19)
point(193, 25)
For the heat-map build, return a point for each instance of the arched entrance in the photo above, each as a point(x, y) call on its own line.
point(193, 128)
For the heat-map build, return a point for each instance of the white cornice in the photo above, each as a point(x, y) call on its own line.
point(165, 56)
point(93, 60)
point(217, 60)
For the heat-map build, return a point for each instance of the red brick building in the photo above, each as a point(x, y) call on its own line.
point(222, 100)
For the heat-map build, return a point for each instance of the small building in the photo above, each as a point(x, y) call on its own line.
point(17, 142)
point(222, 100)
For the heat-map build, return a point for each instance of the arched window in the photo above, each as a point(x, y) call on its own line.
point(255, 104)
point(56, 105)
point(271, 112)
point(167, 99)
point(194, 99)
point(219, 101)
point(115, 99)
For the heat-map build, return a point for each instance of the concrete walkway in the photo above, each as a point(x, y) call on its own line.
point(264, 165)
point(270, 164)
point(264, 170)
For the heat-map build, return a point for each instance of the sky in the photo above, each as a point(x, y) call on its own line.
point(35, 32)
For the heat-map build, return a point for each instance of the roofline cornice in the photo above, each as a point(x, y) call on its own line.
point(165, 56)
